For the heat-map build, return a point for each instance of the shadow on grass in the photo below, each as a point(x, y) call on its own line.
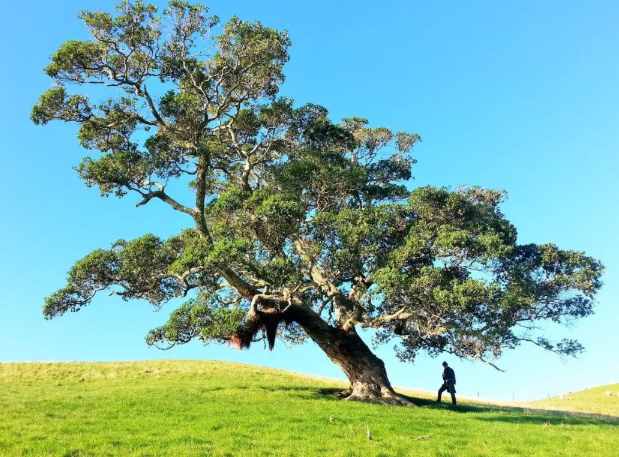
point(309, 390)
point(296, 390)
point(480, 411)
point(498, 413)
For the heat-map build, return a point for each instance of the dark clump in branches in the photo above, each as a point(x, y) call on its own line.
point(299, 226)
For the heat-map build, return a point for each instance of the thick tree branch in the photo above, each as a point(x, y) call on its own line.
point(348, 312)
point(200, 217)
point(161, 195)
point(400, 315)
point(143, 92)
point(244, 288)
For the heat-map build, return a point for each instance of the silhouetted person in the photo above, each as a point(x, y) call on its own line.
point(449, 383)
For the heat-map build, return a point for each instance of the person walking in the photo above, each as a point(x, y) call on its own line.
point(449, 383)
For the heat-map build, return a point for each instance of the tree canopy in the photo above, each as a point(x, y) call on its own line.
point(298, 225)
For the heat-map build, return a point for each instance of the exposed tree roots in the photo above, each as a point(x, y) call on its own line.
point(384, 397)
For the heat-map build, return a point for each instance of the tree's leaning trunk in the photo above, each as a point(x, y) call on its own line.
point(366, 372)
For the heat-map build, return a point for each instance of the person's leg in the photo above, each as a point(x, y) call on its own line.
point(453, 398)
point(440, 393)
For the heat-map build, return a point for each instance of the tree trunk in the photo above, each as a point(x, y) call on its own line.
point(366, 372)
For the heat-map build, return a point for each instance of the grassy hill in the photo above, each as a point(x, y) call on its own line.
point(223, 409)
point(600, 400)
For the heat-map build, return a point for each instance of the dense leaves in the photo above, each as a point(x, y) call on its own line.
point(197, 318)
point(461, 284)
point(291, 210)
point(146, 268)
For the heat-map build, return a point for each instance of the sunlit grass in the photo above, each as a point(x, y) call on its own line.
point(221, 409)
point(600, 400)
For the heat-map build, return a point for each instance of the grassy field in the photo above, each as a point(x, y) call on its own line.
point(599, 400)
point(222, 409)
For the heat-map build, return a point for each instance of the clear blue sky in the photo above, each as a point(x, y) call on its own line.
point(522, 96)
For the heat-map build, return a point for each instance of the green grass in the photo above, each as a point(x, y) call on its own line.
point(223, 409)
point(599, 400)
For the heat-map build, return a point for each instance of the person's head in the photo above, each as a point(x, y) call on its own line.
point(445, 364)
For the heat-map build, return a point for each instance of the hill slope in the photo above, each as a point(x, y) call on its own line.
point(599, 400)
point(221, 409)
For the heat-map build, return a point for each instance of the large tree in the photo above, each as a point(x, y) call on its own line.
point(298, 226)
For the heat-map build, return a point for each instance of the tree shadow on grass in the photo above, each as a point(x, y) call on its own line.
point(481, 411)
point(521, 415)
point(499, 413)
point(545, 417)
point(275, 388)
point(284, 388)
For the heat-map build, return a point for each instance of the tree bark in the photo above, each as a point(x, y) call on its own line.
point(366, 372)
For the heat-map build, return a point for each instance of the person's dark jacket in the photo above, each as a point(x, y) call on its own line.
point(449, 376)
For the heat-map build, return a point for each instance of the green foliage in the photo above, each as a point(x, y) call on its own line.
point(143, 268)
point(54, 104)
point(468, 286)
point(77, 60)
point(289, 207)
point(251, 59)
point(114, 173)
point(193, 252)
point(112, 129)
point(198, 318)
